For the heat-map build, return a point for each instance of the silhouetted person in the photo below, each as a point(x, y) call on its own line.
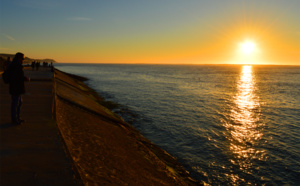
point(37, 65)
point(7, 63)
point(52, 67)
point(17, 87)
point(33, 65)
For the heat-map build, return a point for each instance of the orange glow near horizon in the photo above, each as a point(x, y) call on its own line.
point(237, 42)
point(194, 32)
point(223, 49)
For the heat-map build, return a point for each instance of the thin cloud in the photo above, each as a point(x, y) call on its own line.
point(9, 37)
point(80, 19)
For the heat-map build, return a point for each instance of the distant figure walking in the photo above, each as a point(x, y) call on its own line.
point(7, 63)
point(16, 86)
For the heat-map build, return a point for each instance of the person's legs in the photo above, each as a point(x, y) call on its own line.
point(20, 102)
point(16, 108)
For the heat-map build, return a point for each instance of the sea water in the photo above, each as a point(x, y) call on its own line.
point(226, 124)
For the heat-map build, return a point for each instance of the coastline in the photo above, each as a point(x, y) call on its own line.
point(103, 147)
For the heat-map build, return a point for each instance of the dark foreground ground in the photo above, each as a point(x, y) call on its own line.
point(32, 153)
point(70, 138)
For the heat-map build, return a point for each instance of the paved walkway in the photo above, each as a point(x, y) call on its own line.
point(33, 153)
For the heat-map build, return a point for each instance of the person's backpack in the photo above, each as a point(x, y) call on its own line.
point(6, 76)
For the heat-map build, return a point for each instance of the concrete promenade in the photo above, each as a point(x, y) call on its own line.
point(33, 153)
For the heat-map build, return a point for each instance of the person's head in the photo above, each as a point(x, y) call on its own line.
point(19, 57)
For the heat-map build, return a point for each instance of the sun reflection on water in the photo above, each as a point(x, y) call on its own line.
point(245, 100)
point(244, 125)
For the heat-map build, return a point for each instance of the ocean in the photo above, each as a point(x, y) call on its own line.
point(226, 124)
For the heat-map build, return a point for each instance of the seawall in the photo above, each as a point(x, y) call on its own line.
point(105, 150)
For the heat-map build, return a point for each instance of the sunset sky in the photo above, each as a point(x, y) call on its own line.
point(153, 31)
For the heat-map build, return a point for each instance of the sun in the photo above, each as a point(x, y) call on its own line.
point(248, 51)
point(247, 47)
